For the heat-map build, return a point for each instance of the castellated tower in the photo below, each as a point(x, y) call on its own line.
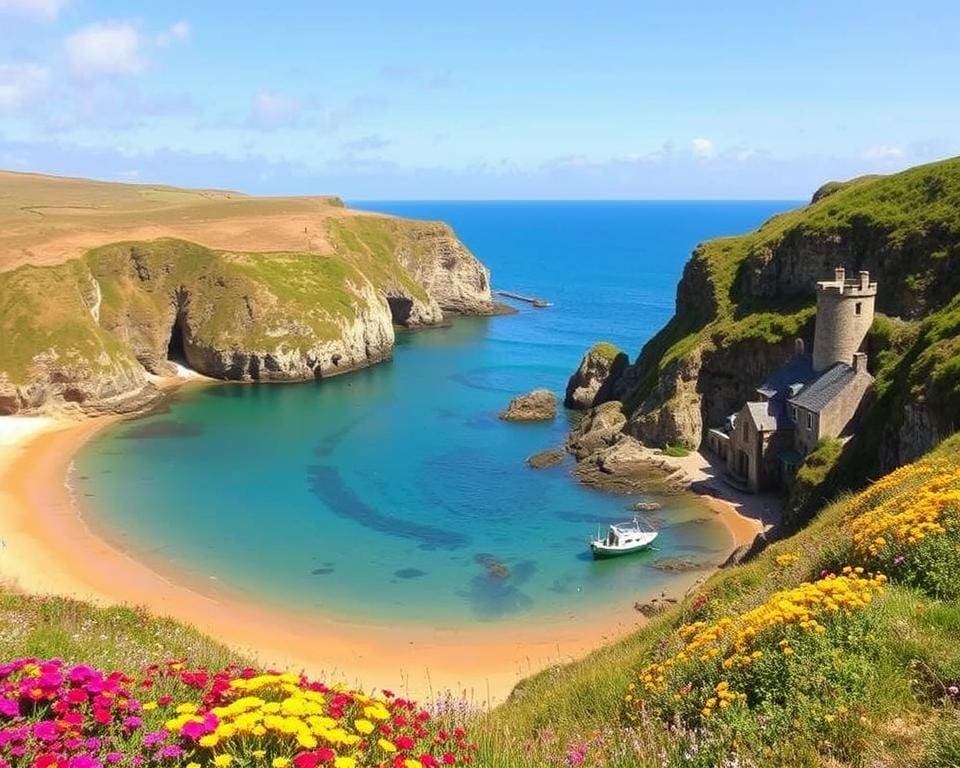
point(844, 315)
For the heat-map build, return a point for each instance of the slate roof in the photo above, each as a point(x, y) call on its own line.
point(831, 383)
point(769, 416)
point(797, 371)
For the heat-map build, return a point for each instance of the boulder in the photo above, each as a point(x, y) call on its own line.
point(546, 458)
point(539, 405)
point(594, 380)
point(599, 428)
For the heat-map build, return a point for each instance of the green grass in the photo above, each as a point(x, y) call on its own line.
point(905, 227)
point(606, 350)
point(677, 451)
point(899, 678)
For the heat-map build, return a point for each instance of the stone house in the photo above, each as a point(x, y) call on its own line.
point(810, 398)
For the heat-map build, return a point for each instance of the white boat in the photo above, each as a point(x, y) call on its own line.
point(622, 539)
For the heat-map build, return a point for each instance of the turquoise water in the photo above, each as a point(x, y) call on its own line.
point(395, 493)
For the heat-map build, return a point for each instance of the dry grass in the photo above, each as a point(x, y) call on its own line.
point(48, 220)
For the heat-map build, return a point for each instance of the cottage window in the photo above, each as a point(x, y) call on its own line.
point(793, 412)
point(858, 307)
point(809, 421)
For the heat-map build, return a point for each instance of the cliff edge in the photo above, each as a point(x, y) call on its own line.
point(85, 324)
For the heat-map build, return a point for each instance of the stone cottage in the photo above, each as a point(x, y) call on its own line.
point(812, 397)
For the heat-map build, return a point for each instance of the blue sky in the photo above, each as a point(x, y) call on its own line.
point(480, 100)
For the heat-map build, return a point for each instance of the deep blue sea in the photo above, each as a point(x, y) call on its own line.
point(385, 495)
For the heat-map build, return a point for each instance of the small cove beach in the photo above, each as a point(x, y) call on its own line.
point(49, 548)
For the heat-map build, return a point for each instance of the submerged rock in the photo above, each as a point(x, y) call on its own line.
point(593, 381)
point(539, 405)
point(546, 458)
point(647, 506)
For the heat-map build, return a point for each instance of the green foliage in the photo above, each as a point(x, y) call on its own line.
point(676, 451)
point(606, 350)
point(818, 462)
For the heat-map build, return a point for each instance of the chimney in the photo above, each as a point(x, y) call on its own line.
point(798, 347)
point(840, 274)
point(860, 361)
point(864, 280)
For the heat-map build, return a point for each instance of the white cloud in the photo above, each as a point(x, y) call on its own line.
point(46, 10)
point(20, 84)
point(174, 34)
point(701, 147)
point(883, 152)
point(271, 109)
point(108, 48)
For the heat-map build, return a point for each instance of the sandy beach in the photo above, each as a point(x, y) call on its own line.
point(49, 548)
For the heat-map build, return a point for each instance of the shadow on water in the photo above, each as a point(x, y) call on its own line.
point(494, 594)
point(333, 438)
point(166, 428)
point(327, 485)
point(409, 573)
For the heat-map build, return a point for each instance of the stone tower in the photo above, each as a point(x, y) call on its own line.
point(844, 315)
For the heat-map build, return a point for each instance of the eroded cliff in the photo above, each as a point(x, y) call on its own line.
point(743, 301)
point(84, 335)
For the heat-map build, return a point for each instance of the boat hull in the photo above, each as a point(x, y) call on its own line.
point(605, 553)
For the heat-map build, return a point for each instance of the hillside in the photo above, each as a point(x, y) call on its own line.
point(103, 284)
point(743, 300)
point(836, 647)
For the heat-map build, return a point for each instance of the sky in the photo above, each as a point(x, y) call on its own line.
point(470, 100)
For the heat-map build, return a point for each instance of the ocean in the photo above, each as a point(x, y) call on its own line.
point(395, 494)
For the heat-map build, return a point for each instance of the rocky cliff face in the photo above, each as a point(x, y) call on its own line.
point(86, 333)
point(448, 271)
point(743, 301)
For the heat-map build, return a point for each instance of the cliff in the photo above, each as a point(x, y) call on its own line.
point(742, 302)
point(85, 334)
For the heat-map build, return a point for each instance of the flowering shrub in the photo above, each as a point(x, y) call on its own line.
point(771, 660)
point(914, 534)
point(57, 716)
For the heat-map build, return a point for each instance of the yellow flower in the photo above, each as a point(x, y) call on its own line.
point(222, 761)
point(306, 740)
point(363, 726)
point(410, 763)
point(258, 753)
point(387, 746)
point(345, 762)
point(193, 765)
point(186, 709)
point(149, 706)
point(209, 740)
point(280, 762)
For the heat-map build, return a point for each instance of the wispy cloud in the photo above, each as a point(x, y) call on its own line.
point(21, 84)
point(173, 35)
point(366, 144)
point(105, 48)
point(42, 10)
point(883, 152)
point(271, 109)
point(701, 147)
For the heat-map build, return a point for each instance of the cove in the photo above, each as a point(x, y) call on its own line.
point(395, 494)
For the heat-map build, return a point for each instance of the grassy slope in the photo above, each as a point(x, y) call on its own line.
point(916, 654)
point(913, 656)
point(918, 206)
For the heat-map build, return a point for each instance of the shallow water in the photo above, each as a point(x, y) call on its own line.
point(395, 493)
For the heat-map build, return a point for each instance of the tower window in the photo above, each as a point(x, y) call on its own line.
point(858, 307)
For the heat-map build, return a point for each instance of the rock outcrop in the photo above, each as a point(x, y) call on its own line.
point(594, 380)
point(85, 334)
point(743, 301)
point(450, 274)
point(546, 459)
point(539, 405)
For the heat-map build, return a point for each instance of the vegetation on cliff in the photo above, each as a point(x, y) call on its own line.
point(742, 301)
point(104, 283)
